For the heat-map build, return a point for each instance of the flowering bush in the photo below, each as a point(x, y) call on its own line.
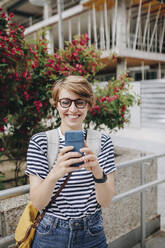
point(113, 103)
point(27, 75)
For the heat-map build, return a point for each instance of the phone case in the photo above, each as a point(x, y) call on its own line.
point(76, 139)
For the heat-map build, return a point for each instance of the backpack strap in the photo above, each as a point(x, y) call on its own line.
point(94, 140)
point(53, 146)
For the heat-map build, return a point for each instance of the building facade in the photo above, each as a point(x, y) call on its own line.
point(132, 30)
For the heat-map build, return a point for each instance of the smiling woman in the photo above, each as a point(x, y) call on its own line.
point(72, 105)
point(74, 219)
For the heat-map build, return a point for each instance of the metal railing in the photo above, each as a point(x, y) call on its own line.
point(21, 190)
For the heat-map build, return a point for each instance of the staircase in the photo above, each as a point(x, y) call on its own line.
point(153, 103)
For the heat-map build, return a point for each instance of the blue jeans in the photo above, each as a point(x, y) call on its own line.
point(86, 232)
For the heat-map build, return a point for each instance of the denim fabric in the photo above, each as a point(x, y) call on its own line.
point(76, 233)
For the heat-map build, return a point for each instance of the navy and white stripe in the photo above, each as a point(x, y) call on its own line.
point(78, 198)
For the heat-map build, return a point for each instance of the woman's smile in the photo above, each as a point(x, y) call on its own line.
point(73, 116)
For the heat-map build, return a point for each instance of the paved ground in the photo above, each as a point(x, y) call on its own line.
point(150, 140)
point(155, 241)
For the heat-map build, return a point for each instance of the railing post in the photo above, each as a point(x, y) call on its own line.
point(143, 204)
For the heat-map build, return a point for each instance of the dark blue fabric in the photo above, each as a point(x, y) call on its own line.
point(86, 232)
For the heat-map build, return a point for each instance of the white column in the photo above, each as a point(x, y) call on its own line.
point(47, 9)
point(49, 37)
point(137, 25)
point(146, 26)
point(114, 24)
point(60, 29)
point(142, 68)
point(102, 36)
point(106, 26)
point(155, 27)
point(70, 30)
point(121, 25)
point(79, 26)
point(49, 33)
point(128, 33)
point(162, 37)
point(121, 36)
point(94, 26)
point(159, 70)
point(121, 66)
point(148, 37)
point(89, 28)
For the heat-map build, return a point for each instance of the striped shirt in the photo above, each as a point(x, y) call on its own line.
point(78, 198)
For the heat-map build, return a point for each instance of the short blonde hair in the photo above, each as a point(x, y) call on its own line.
point(76, 84)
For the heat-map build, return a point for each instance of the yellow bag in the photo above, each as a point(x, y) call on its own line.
point(25, 230)
point(30, 219)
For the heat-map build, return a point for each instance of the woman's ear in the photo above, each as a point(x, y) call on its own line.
point(52, 102)
point(89, 106)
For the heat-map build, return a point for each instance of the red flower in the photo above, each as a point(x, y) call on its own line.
point(108, 99)
point(13, 52)
point(38, 105)
point(34, 64)
point(122, 115)
point(2, 129)
point(82, 42)
point(3, 15)
point(5, 38)
point(74, 42)
point(51, 61)
point(2, 149)
point(11, 15)
point(86, 37)
point(94, 110)
point(25, 74)
point(21, 27)
point(3, 60)
point(56, 56)
point(123, 108)
point(114, 97)
point(5, 119)
point(102, 99)
point(116, 89)
point(26, 95)
point(75, 54)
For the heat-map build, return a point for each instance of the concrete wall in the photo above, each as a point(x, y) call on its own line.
point(120, 218)
point(124, 216)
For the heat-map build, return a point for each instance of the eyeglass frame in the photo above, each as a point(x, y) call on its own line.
point(73, 101)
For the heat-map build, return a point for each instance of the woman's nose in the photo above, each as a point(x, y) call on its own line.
point(73, 107)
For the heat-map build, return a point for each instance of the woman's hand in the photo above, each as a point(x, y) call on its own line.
point(64, 161)
point(104, 191)
point(91, 162)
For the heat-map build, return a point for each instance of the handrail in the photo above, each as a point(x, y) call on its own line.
point(15, 191)
point(139, 160)
point(21, 190)
point(137, 190)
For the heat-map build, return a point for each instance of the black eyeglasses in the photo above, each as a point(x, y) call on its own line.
point(66, 103)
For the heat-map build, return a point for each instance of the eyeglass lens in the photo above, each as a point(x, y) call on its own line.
point(66, 103)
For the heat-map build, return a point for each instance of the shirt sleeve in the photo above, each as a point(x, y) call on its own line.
point(37, 163)
point(106, 157)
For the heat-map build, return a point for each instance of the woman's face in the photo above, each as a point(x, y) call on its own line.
point(71, 117)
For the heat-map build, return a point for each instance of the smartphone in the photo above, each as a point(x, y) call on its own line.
point(76, 139)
